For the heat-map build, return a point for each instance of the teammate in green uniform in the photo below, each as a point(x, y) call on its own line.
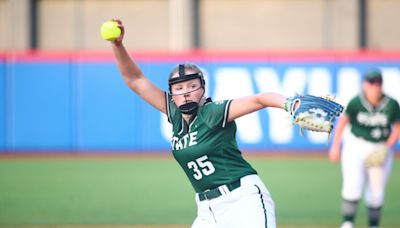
point(229, 193)
point(374, 120)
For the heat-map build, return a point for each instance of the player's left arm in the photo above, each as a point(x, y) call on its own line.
point(394, 135)
point(245, 105)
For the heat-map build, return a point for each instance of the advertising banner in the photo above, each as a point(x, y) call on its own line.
point(82, 104)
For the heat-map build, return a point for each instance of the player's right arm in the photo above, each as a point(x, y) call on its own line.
point(334, 152)
point(134, 77)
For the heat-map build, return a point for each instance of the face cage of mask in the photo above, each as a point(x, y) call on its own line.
point(189, 107)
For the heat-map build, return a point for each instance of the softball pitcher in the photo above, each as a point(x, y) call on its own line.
point(366, 157)
point(229, 193)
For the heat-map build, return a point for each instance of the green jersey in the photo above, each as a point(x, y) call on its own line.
point(206, 148)
point(372, 123)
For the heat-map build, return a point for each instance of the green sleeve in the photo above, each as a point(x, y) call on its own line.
point(396, 111)
point(172, 109)
point(215, 114)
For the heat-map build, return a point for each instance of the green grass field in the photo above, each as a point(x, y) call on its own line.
point(126, 190)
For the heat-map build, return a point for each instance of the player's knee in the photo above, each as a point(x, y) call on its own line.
point(375, 200)
point(351, 195)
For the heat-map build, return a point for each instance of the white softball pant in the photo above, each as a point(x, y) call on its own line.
point(250, 205)
point(357, 178)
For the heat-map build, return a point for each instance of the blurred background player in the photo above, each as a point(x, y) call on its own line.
point(366, 157)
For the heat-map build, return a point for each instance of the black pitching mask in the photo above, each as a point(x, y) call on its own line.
point(188, 107)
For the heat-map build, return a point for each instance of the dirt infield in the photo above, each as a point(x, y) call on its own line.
point(99, 226)
point(142, 226)
point(257, 154)
point(139, 226)
point(137, 155)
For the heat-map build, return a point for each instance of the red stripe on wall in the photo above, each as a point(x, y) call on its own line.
point(209, 56)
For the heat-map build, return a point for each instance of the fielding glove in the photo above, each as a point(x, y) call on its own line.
point(313, 113)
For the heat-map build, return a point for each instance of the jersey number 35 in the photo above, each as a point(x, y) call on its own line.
point(201, 166)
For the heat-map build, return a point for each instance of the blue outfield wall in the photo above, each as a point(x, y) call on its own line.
point(82, 104)
point(2, 106)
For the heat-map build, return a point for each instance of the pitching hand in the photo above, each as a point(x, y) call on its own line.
point(119, 40)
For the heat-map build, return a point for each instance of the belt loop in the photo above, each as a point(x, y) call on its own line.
point(226, 189)
point(221, 190)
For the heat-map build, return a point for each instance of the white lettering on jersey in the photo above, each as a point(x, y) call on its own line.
point(193, 138)
point(372, 119)
point(187, 140)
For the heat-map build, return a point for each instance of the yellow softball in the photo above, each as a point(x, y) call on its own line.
point(110, 31)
